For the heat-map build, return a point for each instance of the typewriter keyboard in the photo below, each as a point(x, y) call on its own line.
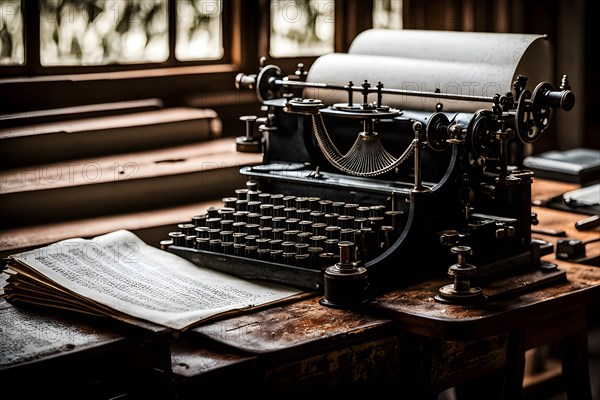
point(283, 238)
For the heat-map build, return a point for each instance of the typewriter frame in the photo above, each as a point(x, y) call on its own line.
point(479, 201)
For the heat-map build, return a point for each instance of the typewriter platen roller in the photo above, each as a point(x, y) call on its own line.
point(370, 185)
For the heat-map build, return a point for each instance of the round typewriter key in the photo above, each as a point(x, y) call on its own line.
point(291, 224)
point(164, 244)
point(360, 222)
point(239, 237)
point(226, 224)
point(226, 212)
point(325, 206)
point(262, 243)
point(241, 205)
point(240, 216)
point(277, 199)
point(303, 213)
point(214, 233)
point(278, 211)
point(251, 240)
point(239, 226)
point(350, 209)
point(289, 258)
point(252, 229)
point(331, 219)
point(229, 202)
point(345, 221)
point(288, 246)
point(254, 218)
point(317, 241)
point(289, 212)
point(302, 248)
point(277, 233)
point(227, 247)
point(264, 198)
point(278, 222)
point(265, 232)
point(290, 235)
point(363, 212)
point(331, 246)
point(214, 245)
point(313, 203)
point(302, 260)
point(314, 253)
point(253, 195)
point(251, 184)
point(212, 212)
point(201, 231)
point(276, 256)
point(337, 207)
point(305, 226)
point(303, 237)
point(187, 229)
point(202, 243)
point(199, 220)
point(190, 241)
point(375, 222)
point(317, 216)
point(263, 254)
point(301, 202)
point(347, 234)
point(250, 251)
point(178, 238)
point(327, 259)
point(213, 223)
point(239, 249)
point(226, 236)
point(333, 232)
point(275, 244)
point(289, 201)
point(319, 229)
point(377, 211)
point(266, 210)
point(266, 221)
point(392, 218)
point(254, 206)
point(242, 194)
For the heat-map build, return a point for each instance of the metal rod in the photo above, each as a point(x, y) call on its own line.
point(323, 85)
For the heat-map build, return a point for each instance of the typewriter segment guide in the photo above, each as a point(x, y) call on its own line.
point(357, 193)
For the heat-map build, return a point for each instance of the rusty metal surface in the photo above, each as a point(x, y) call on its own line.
point(420, 313)
point(293, 325)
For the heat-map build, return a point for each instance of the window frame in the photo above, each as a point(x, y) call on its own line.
point(245, 41)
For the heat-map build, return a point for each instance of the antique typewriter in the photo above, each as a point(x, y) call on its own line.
point(355, 195)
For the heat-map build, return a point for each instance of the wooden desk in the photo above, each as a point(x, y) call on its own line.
point(458, 343)
point(402, 343)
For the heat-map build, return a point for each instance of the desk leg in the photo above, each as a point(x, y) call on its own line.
point(575, 366)
point(515, 366)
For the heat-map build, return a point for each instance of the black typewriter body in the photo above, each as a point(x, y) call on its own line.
point(355, 197)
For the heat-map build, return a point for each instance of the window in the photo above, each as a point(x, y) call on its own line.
point(301, 27)
point(12, 51)
point(387, 14)
point(76, 36)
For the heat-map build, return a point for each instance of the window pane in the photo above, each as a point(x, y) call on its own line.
point(387, 14)
point(301, 27)
point(12, 51)
point(98, 32)
point(199, 30)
